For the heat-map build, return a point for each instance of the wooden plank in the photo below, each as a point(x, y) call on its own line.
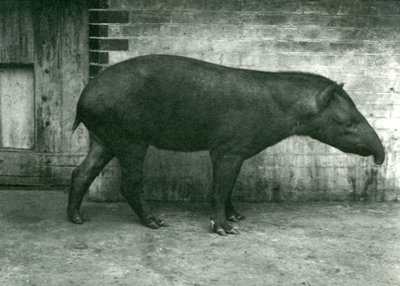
point(18, 164)
point(48, 40)
point(7, 182)
point(17, 108)
point(75, 53)
point(16, 45)
point(71, 160)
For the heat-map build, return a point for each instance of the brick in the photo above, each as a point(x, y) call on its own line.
point(115, 31)
point(99, 4)
point(94, 44)
point(387, 123)
point(142, 30)
point(98, 57)
point(98, 30)
point(385, 111)
point(220, 18)
point(231, 59)
point(109, 44)
point(103, 58)
point(217, 5)
point(115, 57)
point(343, 33)
point(190, 17)
point(93, 57)
point(109, 17)
point(388, 8)
point(362, 21)
point(176, 5)
point(94, 69)
point(150, 16)
point(326, 20)
point(126, 4)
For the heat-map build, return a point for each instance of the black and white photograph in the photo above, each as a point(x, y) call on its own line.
point(200, 142)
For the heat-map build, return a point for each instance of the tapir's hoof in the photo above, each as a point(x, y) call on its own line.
point(76, 219)
point(154, 222)
point(223, 228)
point(235, 217)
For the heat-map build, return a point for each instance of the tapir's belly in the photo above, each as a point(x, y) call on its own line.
point(181, 134)
point(178, 141)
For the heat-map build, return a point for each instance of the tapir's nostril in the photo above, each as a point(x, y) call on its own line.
point(379, 159)
point(379, 154)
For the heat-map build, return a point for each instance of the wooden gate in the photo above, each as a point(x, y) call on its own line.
point(43, 68)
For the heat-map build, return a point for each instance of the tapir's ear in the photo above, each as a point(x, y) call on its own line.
point(341, 85)
point(324, 97)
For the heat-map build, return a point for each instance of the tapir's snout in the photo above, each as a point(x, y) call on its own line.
point(378, 151)
point(371, 145)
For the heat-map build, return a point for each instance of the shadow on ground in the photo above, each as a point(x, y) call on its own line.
point(279, 244)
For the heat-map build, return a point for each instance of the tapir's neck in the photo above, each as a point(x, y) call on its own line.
point(298, 129)
point(294, 103)
point(280, 126)
point(293, 113)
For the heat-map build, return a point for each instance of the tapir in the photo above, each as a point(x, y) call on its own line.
point(184, 104)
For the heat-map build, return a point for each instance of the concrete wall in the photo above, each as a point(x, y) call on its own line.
point(352, 41)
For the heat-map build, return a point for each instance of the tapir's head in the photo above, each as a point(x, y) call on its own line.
point(336, 121)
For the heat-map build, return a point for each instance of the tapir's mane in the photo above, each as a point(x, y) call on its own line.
point(320, 79)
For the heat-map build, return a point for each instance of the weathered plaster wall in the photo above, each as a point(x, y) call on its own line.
point(355, 42)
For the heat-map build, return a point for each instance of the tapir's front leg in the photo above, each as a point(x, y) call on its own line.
point(226, 168)
point(230, 212)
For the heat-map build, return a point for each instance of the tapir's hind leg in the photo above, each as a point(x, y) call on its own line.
point(131, 160)
point(84, 175)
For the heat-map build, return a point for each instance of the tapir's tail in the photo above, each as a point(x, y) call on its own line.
point(76, 122)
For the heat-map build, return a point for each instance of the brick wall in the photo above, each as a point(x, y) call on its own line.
point(352, 41)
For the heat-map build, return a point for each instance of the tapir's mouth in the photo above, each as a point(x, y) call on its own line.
point(363, 150)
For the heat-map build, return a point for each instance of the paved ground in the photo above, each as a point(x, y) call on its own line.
point(279, 244)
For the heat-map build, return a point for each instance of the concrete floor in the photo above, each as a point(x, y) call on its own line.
point(279, 244)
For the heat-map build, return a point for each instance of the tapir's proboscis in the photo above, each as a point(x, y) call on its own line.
point(183, 104)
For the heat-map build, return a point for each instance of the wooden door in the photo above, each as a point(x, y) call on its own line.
point(43, 68)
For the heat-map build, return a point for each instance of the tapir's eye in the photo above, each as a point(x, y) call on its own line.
point(349, 124)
